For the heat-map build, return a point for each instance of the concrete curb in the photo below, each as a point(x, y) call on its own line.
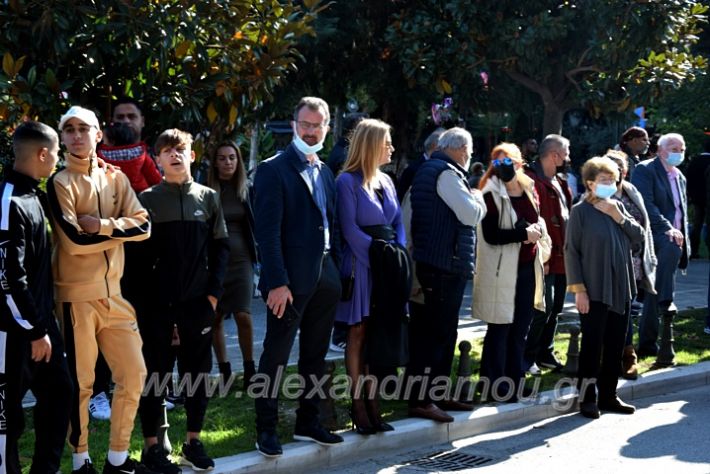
point(412, 432)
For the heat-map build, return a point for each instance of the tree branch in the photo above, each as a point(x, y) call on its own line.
point(579, 69)
point(569, 74)
point(531, 84)
point(583, 56)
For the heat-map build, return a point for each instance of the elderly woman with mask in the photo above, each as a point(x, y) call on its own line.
point(600, 236)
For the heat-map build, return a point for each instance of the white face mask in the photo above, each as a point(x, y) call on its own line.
point(304, 147)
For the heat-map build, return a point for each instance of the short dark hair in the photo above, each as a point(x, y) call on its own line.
point(37, 132)
point(172, 137)
point(631, 133)
point(127, 100)
point(120, 134)
point(315, 104)
point(552, 142)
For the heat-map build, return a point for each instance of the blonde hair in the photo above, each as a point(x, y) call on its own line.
point(618, 157)
point(510, 150)
point(593, 167)
point(366, 147)
point(238, 179)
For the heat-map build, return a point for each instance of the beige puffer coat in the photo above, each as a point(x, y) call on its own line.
point(496, 265)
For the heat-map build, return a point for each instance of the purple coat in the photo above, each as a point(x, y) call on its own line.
point(358, 208)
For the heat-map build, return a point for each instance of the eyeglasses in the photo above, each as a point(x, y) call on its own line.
point(503, 161)
point(309, 126)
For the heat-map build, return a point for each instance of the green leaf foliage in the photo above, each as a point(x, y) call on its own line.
point(172, 56)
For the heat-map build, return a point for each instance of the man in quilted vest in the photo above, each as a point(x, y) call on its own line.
point(445, 213)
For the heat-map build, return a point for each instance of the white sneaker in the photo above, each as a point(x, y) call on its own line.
point(99, 407)
point(534, 369)
point(339, 347)
point(706, 330)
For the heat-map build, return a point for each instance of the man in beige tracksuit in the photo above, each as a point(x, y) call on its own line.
point(94, 211)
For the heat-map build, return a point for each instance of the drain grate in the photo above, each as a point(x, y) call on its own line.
point(449, 461)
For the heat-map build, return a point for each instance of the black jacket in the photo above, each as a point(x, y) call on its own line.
point(187, 253)
point(391, 270)
point(25, 258)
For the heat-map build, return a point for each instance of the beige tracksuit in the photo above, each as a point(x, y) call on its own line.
point(87, 272)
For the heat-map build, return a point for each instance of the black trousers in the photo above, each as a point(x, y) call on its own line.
point(698, 221)
point(52, 386)
point(603, 338)
point(433, 330)
point(194, 321)
point(316, 312)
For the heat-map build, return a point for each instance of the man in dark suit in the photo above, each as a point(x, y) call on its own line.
point(294, 208)
point(663, 188)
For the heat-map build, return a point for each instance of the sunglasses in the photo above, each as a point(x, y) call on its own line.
point(504, 161)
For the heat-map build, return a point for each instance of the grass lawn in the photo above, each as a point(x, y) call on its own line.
point(229, 426)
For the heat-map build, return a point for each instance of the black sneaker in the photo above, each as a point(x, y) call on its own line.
point(318, 434)
point(87, 468)
point(156, 459)
point(550, 362)
point(194, 455)
point(267, 443)
point(128, 467)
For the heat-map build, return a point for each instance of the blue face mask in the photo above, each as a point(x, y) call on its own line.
point(604, 191)
point(304, 147)
point(674, 158)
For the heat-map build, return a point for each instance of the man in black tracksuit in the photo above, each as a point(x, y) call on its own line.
point(31, 349)
point(185, 261)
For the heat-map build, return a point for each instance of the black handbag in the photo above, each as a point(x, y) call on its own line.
point(348, 284)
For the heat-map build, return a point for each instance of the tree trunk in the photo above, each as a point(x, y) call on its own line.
point(552, 119)
point(254, 146)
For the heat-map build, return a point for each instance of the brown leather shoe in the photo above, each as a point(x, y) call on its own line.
point(454, 405)
point(431, 412)
point(629, 364)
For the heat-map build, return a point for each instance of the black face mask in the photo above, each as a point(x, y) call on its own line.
point(506, 173)
point(564, 168)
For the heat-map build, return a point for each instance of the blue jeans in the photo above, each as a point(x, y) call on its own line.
point(503, 346)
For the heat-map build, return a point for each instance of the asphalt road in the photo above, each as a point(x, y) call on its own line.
point(668, 434)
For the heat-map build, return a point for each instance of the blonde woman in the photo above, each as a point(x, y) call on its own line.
point(513, 245)
point(370, 219)
point(227, 175)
